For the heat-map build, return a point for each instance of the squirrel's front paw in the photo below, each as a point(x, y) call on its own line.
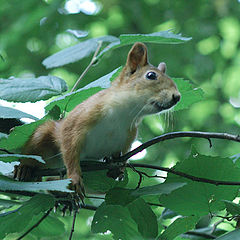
point(78, 186)
point(23, 173)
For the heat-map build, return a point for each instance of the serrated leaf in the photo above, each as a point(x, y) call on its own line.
point(31, 89)
point(7, 184)
point(199, 198)
point(189, 94)
point(232, 207)
point(145, 218)
point(16, 221)
point(15, 157)
point(116, 219)
point(157, 37)
point(179, 226)
point(6, 112)
point(163, 188)
point(70, 100)
point(19, 136)
point(163, 37)
point(76, 52)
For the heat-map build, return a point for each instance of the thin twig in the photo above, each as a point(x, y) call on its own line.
point(185, 175)
point(172, 135)
point(73, 224)
point(93, 60)
point(6, 151)
point(36, 224)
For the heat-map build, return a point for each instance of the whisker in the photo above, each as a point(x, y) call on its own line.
point(135, 118)
point(53, 156)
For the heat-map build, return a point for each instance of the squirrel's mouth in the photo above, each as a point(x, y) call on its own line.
point(162, 106)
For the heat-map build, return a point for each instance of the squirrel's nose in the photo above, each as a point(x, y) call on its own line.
point(176, 97)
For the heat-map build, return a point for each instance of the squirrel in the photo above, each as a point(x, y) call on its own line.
point(105, 124)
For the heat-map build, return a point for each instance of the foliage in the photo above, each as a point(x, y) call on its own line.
point(175, 209)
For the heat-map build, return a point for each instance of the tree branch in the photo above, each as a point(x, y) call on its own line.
point(185, 175)
point(172, 135)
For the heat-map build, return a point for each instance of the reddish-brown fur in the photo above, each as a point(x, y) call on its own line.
point(111, 116)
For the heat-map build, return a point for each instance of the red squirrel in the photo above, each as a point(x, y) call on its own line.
point(105, 124)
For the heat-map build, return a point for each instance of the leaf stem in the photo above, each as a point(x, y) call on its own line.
point(93, 60)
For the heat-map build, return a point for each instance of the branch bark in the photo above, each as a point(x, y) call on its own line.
point(172, 135)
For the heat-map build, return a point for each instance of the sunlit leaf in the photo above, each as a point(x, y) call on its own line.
point(31, 89)
point(163, 37)
point(7, 184)
point(70, 100)
point(6, 112)
point(157, 37)
point(15, 157)
point(76, 52)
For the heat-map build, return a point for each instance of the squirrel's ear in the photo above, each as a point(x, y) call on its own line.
point(162, 67)
point(137, 57)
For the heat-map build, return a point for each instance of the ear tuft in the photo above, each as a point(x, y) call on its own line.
point(162, 67)
point(137, 57)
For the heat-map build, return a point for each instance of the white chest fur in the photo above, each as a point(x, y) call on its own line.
point(108, 136)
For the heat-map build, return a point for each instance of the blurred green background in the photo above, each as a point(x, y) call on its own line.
point(32, 30)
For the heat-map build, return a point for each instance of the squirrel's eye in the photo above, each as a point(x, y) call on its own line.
point(151, 75)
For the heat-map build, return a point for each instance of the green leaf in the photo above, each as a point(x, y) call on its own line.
point(163, 188)
point(230, 236)
point(6, 112)
point(15, 157)
point(16, 221)
point(166, 37)
point(201, 198)
point(31, 89)
point(7, 184)
point(101, 182)
point(163, 37)
point(189, 94)
point(232, 207)
point(116, 219)
point(76, 52)
point(179, 226)
point(19, 136)
point(119, 196)
point(71, 100)
point(49, 227)
point(144, 217)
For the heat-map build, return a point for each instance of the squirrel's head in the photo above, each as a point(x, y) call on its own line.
point(147, 84)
